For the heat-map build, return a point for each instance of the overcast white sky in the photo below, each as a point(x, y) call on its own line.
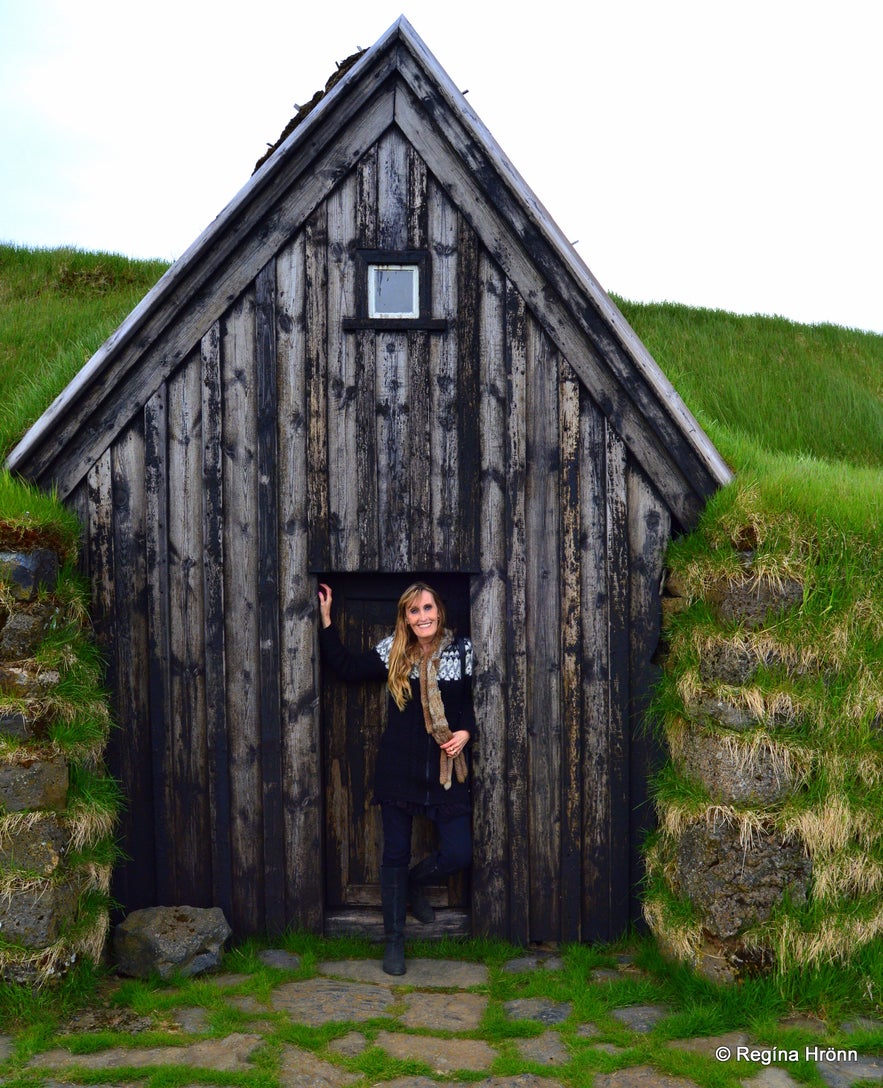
point(714, 153)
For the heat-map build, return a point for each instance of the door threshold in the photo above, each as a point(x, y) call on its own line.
point(369, 923)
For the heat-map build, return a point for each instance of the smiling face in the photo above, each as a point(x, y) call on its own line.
point(421, 615)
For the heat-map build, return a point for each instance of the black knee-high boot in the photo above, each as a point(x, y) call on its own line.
point(425, 872)
point(394, 894)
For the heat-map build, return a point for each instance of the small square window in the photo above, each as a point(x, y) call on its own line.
point(394, 290)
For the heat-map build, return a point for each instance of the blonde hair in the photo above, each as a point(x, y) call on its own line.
point(405, 649)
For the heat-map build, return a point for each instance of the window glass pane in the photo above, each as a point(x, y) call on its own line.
point(393, 290)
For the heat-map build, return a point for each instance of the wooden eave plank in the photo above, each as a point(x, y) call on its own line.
point(91, 416)
point(445, 107)
point(191, 274)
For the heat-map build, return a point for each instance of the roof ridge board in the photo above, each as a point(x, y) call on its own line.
point(186, 269)
point(606, 308)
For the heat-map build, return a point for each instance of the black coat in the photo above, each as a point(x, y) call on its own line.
point(407, 768)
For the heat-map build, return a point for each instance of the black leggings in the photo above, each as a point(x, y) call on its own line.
point(454, 839)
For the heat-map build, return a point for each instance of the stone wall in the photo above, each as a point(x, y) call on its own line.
point(55, 840)
point(723, 854)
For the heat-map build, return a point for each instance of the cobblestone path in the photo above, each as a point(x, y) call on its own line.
point(315, 1032)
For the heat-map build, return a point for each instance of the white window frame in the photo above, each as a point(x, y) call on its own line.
point(414, 312)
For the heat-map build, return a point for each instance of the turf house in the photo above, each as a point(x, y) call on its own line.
point(382, 359)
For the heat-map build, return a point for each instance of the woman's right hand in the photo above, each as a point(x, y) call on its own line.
point(325, 604)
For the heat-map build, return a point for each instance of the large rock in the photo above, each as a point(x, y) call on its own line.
point(734, 886)
point(36, 915)
point(170, 940)
point(27, 681)
point(24, 631)
point(26, 572)
point(756, 600)
point(35, 847)
point(34, 784)
point(735, 773)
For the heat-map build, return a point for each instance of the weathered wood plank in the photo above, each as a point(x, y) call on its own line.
point(343, 499)
point(393, 446)
point(420, 381)
point(649, 532)
point(618, 626)
point(130, 752)
point(420, 427)
point(393, 178)
point(467, 414)
point(267, 544)
point(571, 656)
point(599, 924)
point(301, 736)
point(490, 871)
point(393, 451)
point(365, 343)
point(214, 610)
point(242, 619)
point(418, 205)
point(158, 650)
point(543, 633)
point(517, 743)
point(447, 261)
point(316, 367)
point(185, 771)
point(369, 924)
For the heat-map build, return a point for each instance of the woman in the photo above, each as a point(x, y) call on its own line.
point(421, 764)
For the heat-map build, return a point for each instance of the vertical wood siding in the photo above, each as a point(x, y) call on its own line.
point(282, 446)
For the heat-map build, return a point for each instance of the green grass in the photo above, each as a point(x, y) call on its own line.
point(814, 391)
point(56, 309)
point(695, 1008)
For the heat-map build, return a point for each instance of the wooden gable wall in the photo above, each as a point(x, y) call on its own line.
point(279, 447)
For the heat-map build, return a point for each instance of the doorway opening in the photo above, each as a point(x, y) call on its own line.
point(353, 718)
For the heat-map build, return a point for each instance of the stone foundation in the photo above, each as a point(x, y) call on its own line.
point(41, 888)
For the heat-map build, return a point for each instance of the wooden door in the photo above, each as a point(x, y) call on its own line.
point(353, 718)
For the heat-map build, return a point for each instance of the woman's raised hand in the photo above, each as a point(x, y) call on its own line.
point(325, 604)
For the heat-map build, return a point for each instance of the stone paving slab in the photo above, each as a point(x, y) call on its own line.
point(708, 1044)
point(537, 1008)
point(444, 1012)
point(520, 1080)
point(317, 1001)
point(193, 1020)
point(640, 1018)
point(349, 1045)
point(228, 1055)
point(302, 1069)
point(278, 957)
point(545, 1049)
point(842, 1074)
point(862, 1023)
point(640, 1076)
point(441, 1055)
point(542, 961)
point(424, 974)
point(771, 1077)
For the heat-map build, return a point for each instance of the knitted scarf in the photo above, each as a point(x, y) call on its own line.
point(434, 717)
